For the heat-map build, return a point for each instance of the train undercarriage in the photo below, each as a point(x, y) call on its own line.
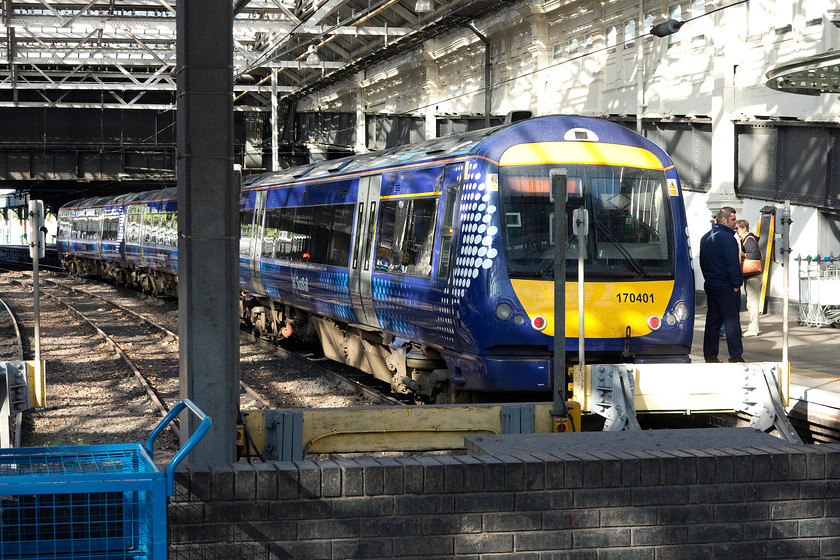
point(143, 279)
point(407, 367)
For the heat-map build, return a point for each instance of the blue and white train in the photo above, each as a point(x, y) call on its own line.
point(430, 266)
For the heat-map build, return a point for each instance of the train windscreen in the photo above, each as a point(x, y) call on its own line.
point(630, 228)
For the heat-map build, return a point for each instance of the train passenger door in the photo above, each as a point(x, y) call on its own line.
point(361, 256)
point(453, 177)
point(256, 242)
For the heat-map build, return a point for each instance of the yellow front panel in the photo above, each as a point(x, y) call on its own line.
point(579, 152)
point(609, 307)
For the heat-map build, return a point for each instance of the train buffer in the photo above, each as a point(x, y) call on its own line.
point(616, 392)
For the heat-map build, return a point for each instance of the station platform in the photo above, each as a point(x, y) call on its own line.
point(19, 255)
point(813, 355)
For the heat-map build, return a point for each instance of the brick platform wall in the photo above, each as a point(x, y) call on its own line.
point(764, 502)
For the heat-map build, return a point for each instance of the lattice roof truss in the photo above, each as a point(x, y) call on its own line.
point(121, 53)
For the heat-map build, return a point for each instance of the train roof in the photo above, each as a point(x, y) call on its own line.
point(489, 143)
point(436, 148)
point(102, 201)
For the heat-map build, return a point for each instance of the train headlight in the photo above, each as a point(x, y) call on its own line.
point(504, 311)
point(539, 322)
point(670, 320)
point(681, 311)
point(654, 322)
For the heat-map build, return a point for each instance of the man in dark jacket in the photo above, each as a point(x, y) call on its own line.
point(720, 263)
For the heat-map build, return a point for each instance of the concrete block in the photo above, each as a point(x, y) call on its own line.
point(429, 545)
point(309, 474)
point(363, 548)
point(311, 550)
point(797, 509)
point(600, 538)
point(544, 540)
point(554, 470)
point(325, 529)
point(719, 532)
point(512, 521)
point(288, 487)
point(494, 473)
point(659, 495)
point(402, 526)
point(374, 477)
point(569, 519)
point(819, 527)
point(629, 516)
point(658, 535)
point(716, 494)
point(483, 544)
point(421, 505)
point(330, 479)
point(300, 509)
point(432, 474)
point(392, 474)
point(479, 503)
point(366, 506)
point(734, 513)
point(453, 474)
point(545, 500)
point(244, 481)
point(221, 482)
point(770, 491)
point(452, 524)
point(352, 477)
point(606, 497)
point(264, 531)
point(473, 470)
point(266, 480)
point(236, 511)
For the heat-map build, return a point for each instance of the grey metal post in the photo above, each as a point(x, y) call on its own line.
point(208, 226)
point(558, 182)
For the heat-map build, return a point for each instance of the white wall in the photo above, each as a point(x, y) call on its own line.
point(551, 57)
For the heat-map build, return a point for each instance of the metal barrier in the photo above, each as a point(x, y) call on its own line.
point(89, 501)
point(819, 291)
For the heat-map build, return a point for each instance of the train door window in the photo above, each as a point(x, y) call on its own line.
point(271, 233)
point(405, 240)
point(319, 244)
point(152, 225)
point(133, 226)
point(452, 180)
point(246, 224)
point(340, 230)
point(302, 233)
point(109, 227)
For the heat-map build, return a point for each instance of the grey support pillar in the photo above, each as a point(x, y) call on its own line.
point(208, 226)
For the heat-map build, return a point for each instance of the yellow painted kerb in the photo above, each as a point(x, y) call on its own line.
point(579, 152)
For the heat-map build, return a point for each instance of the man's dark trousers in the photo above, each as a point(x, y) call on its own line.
point(722, 308)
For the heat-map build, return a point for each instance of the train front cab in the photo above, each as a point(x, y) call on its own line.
point(639, 292)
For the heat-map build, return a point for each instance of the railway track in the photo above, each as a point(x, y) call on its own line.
point(142, 331)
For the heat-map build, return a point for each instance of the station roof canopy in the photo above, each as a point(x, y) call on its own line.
point(121, 53)
point(813, 75)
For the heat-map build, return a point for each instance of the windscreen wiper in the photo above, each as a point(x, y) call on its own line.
point(628, 258)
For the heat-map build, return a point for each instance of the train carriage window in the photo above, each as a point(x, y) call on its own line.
point(110, 226)
point(246, 223)
point(406, 235)
point(340, 233)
